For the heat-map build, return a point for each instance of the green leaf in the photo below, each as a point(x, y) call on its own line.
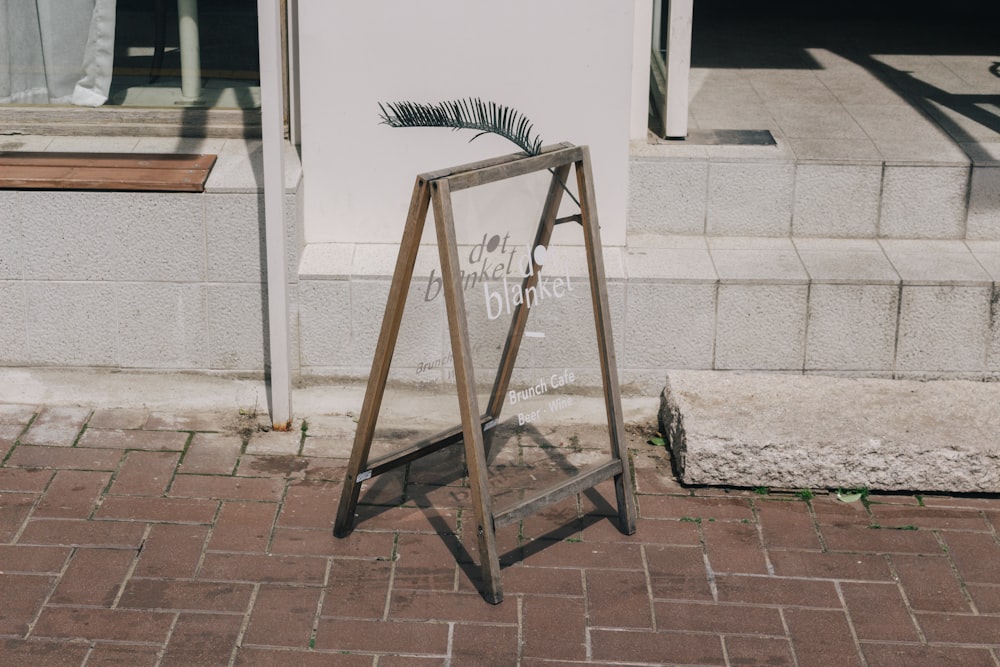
point(657, 442)
point(465, 114)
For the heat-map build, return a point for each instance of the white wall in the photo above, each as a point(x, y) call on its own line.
point(565, 64)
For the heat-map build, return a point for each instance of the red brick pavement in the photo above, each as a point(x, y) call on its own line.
point(129, 537)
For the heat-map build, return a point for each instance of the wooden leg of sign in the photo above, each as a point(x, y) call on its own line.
point(472, 428)
point(606, 349)
point(409, 246)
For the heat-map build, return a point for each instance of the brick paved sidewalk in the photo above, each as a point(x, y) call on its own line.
point(137, 538)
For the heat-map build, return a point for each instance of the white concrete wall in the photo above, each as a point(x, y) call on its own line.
point(565, 64)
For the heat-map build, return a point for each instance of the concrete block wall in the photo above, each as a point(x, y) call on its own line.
point(864, 307)
point(143, 280)
point(774, 191)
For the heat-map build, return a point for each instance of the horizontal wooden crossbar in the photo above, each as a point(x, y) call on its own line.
point(129, 172)
point(534, 502)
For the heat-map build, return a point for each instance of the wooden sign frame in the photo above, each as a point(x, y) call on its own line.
point(436, 188)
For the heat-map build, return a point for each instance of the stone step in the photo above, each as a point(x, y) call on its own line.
point(815, 432)
point(777, 190)
point(912, 309)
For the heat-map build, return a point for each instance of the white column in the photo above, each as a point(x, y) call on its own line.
point(639, 117)
point(273, 135)
point(187, 16)
point(679, 20)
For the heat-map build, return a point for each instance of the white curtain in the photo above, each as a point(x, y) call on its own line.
point(56, 51)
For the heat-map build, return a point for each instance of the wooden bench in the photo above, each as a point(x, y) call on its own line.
point(129, 172)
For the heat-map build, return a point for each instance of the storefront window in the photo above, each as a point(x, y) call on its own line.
point(134, 53)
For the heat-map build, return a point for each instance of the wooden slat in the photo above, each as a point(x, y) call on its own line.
point(130, 172)
point(569, 487)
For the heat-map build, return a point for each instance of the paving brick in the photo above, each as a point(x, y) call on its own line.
point(253, 656)
point(21, 596)
point(327, 447)
point(930, 583)
point(918, 655)
point(831, 512)
point(819, 635)
point(826, 565)
point(438, 497)
point(786, 524)
point(202, 640)
point(550, 553)
point(56, 426)
point(777, 590)
point(411, 661)
point(79, 533)
point(556, 522)
point(14, 413)
point(426, 562)
point(386, 489)
point(103, 624)
point(554, 628)
point(695, 507)
point(358, 588)
point(285, 467)
point(618, 599)
point(171, 551)
point(145, 473)
point(283, 616)
point(759, 651)
point(212, 454)
point(663, 647)
point(303, 570)
point(658, 480)
point(129, 439)
point(960, 628)
point(33, 653)
point(33, 560)
point(543, 580)
point(14, 511)
point(17, 479)
point(158, 510)
point(678, 573)
point(116, 655)
point(243, 526)
point(404, 519)
point(227, 488)
point(275, 442)
point(321, 542)
point(8, 436)
point(449, 606)
point(862, 539)
point(75, 458)
point(718, 618)
point(648, 531)
point(894, 516)
point(207, 421)
point(484, 645)
point(118, 418)
point(986, 597)
point(382, 636)
point(878, 612)
point(975, 555)
point(177, 595)
point(93, 577)
point(72, 494)
point(734, 547)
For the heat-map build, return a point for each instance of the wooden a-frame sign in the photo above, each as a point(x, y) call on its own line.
point(436, 188)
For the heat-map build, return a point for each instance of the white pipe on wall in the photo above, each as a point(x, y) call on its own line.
point(187, 16)
point(273, 135)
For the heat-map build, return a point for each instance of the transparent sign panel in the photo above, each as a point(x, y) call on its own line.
point(495, 352)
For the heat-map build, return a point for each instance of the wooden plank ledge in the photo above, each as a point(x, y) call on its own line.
point(128, 172)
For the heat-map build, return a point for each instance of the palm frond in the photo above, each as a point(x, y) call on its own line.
point(465, 114)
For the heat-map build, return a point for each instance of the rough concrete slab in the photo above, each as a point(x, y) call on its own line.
point(796, 431)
